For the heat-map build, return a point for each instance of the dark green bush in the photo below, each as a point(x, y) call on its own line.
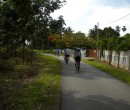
point(7, 65)
point(26, 71)
point(3, 54)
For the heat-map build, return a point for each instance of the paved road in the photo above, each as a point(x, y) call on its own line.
point(92, 89)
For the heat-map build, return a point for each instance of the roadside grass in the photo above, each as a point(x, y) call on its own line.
point(22, 90)
point(116, 72)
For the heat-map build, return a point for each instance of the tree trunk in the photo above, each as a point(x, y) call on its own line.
point(31, 52)
point(110, 57)
point(23, 52)
point(118, 59)
point(104, 55)
point(13, 50)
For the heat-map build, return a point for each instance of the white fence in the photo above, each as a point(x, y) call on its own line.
point(124, 59)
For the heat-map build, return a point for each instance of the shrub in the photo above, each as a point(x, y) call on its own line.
point(3, 54)
point(6, 65)
point(26, 71)
point(48, 51)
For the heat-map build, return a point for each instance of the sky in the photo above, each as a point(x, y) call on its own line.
point(83, 15)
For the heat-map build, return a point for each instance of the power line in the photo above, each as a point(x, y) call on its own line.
point(115, 20)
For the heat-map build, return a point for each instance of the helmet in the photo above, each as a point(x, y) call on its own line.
point(77, 49)
point(67, 46)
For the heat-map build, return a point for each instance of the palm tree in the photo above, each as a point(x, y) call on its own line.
point(102, 44)
point(110, 46)
point(121, 44)
point(124, 28)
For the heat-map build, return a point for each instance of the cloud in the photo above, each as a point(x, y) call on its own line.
point(115, 3)
point(84, 14)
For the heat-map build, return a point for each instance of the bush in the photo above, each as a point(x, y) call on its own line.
point(3, 54)
point(24, 71)
point(6, 65)
point(48, 51)
point(32, 70)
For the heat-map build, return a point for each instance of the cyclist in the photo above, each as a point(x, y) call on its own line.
point(57, 52)
point(77, 55)
point(67, 53)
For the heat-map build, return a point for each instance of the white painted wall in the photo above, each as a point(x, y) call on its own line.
point(124, 59)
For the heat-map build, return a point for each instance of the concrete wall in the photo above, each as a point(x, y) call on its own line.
point(124, 59)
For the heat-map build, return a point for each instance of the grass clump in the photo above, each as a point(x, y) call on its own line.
point(38, 91)
point(116, 72)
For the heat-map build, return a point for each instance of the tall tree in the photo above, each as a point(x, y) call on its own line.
point(26, 20)
point(111, 45)
point(118, 28)
point(109, 32)
point(121, 44)
point(95, 32)
point(124, 29)
point(103, 46)
point(57, 26)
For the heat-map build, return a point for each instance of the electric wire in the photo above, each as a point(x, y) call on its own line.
point(116, 20)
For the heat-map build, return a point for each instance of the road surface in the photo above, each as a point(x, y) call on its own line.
point(92, 89)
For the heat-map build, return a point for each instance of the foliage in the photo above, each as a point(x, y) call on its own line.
point(57, 26)
point(95, 33)
point(124, 28)
point(27, 20)
point(6, 65)
point(109, 32)
point(38, 91)
point(48, 51)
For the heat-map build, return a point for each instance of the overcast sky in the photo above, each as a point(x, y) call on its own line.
point(82, 15)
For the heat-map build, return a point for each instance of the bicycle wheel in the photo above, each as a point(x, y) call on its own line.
point(77, 66)
point(66, 60)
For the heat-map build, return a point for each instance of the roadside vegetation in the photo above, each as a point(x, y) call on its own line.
point(113, 71)
point(35, 87)
point(29, 81)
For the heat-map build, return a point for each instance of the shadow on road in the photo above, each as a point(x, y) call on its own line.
point(92, 102)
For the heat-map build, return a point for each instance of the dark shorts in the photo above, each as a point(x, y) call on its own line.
point(77, 58)
point(67, 56)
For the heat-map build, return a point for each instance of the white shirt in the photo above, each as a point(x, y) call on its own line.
point(67, 51)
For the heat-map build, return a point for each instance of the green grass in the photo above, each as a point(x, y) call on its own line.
point(39, 91)
point(116, 72)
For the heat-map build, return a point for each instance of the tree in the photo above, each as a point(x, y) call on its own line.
point(127, 37)
point(26, 20)
point(118, 29)
point(78, 39)
point(57, 26)
point(109, 32)
point(102, 46)
point(111, 45)
point(124, 28)
point(68, 32)
point(121, 44)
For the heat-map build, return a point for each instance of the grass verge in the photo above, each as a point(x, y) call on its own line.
point(116, 72)
point(40, 91)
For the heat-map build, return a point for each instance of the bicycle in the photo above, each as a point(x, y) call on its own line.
point(66, 59)
point(77, 65)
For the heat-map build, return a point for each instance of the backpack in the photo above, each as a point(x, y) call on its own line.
point(77, 54)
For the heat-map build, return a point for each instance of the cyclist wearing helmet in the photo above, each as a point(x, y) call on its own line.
point(77, 55)
point(67, 52)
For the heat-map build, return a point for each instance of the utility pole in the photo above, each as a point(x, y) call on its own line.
point(97, 41)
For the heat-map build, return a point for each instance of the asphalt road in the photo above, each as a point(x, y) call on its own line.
point(92, 89)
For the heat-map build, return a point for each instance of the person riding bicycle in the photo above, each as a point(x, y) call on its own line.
point(77, 55)
point(67, 52)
